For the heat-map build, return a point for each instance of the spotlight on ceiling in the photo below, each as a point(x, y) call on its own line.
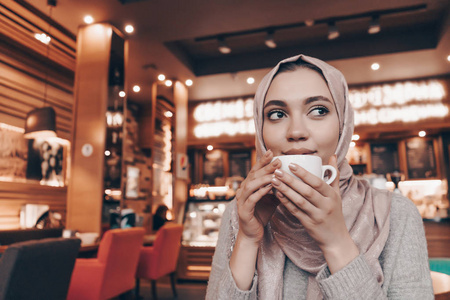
point(129, 28)
point(333, 31)
point(374, 26)
point(270, 42)
point(88, 19)
point(223, 47)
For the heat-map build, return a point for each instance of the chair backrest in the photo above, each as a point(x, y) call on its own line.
point(119, 250)
point(38, 269)
point(167, 248)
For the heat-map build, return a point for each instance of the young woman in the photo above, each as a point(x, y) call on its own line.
point(299, 238)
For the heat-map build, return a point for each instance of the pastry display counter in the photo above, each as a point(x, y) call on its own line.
point(202, 221)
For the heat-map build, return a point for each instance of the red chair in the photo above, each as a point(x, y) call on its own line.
point(112, 272)
point(160, 259)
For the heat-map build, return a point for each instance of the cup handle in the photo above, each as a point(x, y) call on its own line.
point(333, 173)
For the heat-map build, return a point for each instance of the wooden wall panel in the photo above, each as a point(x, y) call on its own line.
point(13, 195)
point(28, 68)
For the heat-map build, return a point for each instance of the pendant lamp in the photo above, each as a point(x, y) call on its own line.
point(41, 122)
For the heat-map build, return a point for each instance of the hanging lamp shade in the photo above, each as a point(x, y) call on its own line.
point(40, 123)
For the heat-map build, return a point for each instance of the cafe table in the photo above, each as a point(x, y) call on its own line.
point(90, 250)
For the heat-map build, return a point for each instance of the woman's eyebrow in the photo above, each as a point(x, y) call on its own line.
point(275, 103)
point(317, 98)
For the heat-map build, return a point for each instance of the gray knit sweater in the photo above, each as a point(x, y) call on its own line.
point(404, 261)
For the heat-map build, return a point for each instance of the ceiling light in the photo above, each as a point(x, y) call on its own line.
point(250, 80)
point(270, 42)
point(422, 133)
point(88, 19)
point(136, 89)
point(355, 137)
point(40, 123)
point(129, 28)
point(168, 82)
point(161, 77)
point(448, 58)
point(352, 144)
point(168, 114)
point(333, 32)
point(209, 147)
point(375, 66)
point(107, 153)
point(223, 47)
point(189, 82)
point(43, 38)
point(122, 94)
point(374, 26)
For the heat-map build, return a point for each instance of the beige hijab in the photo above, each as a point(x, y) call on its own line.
point(366, 210)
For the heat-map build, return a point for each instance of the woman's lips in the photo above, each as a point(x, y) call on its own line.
point(299, 151)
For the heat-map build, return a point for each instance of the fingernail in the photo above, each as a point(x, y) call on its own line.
point(279, 173)
point(292, 166)
point(275, 163)
point(275, 182)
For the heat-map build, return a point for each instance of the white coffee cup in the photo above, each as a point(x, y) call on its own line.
point(310, 163)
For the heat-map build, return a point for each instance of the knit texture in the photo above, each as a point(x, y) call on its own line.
point(404, 261)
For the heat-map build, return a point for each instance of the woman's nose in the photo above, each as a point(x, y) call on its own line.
point(297, 130)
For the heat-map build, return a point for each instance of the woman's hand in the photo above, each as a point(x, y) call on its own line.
point(318, 206)
point(255, 208)
point(255, 204)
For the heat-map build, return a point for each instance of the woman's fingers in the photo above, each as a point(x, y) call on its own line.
point(253, 199)
point(265, 159)
point(296, 191)
point(252, 186)
point(296, 211)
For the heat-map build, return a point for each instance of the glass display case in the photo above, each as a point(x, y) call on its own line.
point(202, 221)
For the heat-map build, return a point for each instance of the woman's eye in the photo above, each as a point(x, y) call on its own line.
point(319, 111)
point(275, 115)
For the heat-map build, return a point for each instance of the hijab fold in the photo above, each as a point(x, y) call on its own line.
point(365, 209)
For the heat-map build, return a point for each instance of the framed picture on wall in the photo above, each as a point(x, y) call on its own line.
point(421, 158)
point(13, 155)
point(213, 166)
point(47, 161)
point(385, 158)
point(240, 163)
point(132, 185)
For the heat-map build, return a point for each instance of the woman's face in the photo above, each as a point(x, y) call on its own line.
point(300, 116)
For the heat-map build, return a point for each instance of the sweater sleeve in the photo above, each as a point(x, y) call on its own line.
point(404, 261)
point(407, 272)
point(221, 284)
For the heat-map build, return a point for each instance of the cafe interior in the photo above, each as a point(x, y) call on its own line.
point(115, 114)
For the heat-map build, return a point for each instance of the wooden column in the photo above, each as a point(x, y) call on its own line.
point(180, 94)
point(86, 187)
